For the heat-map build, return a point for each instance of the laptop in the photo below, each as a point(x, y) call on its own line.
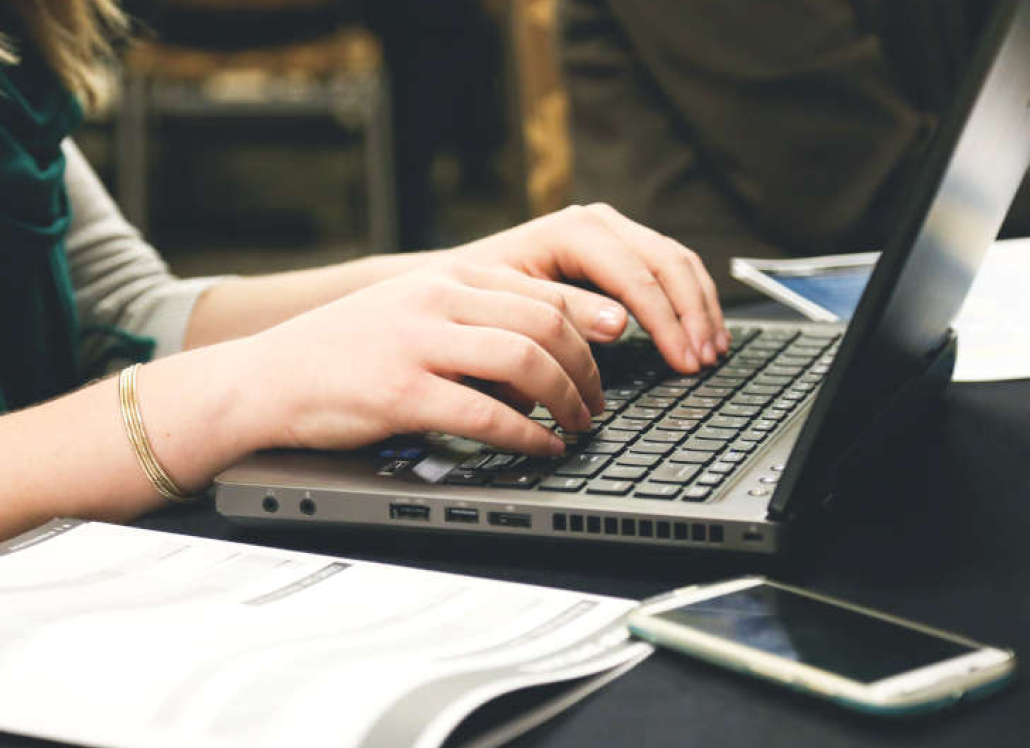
point(732, 458)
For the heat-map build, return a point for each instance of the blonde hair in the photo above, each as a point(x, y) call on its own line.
point(74, 37)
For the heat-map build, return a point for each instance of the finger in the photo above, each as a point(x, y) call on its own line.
point(539, 321)
point(507, 357)
point(453, 408)
point(711, 295)
point(508, 394)
point(597, 317)
point(682, 276)
point(600, 255)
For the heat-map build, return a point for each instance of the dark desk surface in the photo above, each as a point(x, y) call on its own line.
point(953, 551)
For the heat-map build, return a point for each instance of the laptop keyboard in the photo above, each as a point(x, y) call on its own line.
point(665, 436)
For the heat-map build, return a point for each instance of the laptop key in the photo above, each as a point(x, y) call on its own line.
point(637, 459)
point(724, 422)
point(666, 491)
point(756, 400)
point(516, 480)
point(710, 479)
point(773, 380)
point(732, 456)
point(701, 402)
point(585, 465)
point(704, 445)
point(697, 493)
point(628, 424)
point(608, 434)
point(745, 411)
point(709, 432)
point(763, 424)
point(642, 414)
point(609, 487)
point(687, 382)
point(692, 456)
point(655, 402)
point(603, 448)
point(659, 435)
point(566, 485)
point(716, 392)
point(652, 448)
point(743, 445)
point(674, 473)
point(682, 425)
point(732, 383)
point(688, 414)
point(666, 391)
point(466, 478)
point(722, 467)
point(474, 461)
point(624, 472)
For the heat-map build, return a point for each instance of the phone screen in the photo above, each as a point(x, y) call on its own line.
point(825, 636)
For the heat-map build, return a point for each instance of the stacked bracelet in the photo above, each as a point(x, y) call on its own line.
point(133, 418)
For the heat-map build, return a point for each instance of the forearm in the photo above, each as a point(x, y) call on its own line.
point(243, 306)
point(71, 456)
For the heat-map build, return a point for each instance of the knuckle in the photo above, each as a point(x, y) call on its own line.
point(435, 290)
point(525, 354)
point(557, 300)
point(552, 323)
point(603, 208)
point(482, 416)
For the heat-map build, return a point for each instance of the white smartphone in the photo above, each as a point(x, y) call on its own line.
point(854, 656)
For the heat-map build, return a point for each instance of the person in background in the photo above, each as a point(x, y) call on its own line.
point(751, 128)
point(329, 358)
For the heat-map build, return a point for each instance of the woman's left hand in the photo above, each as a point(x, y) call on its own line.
point(661, 282)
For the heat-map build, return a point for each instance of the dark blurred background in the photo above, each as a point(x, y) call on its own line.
point(257, 135)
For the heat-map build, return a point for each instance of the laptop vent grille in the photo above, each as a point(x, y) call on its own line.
point(629, 527)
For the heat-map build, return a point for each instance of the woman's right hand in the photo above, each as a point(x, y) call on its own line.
point(395, 358)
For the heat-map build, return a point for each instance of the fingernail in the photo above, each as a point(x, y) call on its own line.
point(722, 341)
point(690, 360)
point(610, 320)
point(555, 446)
point(708, 353)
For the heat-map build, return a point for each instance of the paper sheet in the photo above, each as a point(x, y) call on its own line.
point(993, 325)
point(126, 638)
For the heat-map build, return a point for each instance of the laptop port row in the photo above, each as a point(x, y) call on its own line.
point(641, 528)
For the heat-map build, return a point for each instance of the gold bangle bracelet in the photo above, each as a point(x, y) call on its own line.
point(133, 419)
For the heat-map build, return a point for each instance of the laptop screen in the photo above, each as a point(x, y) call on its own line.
point(953, 212)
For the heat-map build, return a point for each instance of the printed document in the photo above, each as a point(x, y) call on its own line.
point(128, 638)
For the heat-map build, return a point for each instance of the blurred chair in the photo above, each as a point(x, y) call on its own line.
point(338, 73)
point(541, 105)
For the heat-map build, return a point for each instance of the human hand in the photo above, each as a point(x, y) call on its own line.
point(664, 284)
point(392, 357)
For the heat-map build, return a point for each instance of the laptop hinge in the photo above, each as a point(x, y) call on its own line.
point(887, 431)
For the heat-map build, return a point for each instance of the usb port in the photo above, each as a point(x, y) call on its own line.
point(409, 511)
point(510, 519)
point(460, 514)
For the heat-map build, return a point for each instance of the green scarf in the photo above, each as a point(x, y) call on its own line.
point(38, 321)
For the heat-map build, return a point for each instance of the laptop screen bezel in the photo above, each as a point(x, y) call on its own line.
point(830, 431)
